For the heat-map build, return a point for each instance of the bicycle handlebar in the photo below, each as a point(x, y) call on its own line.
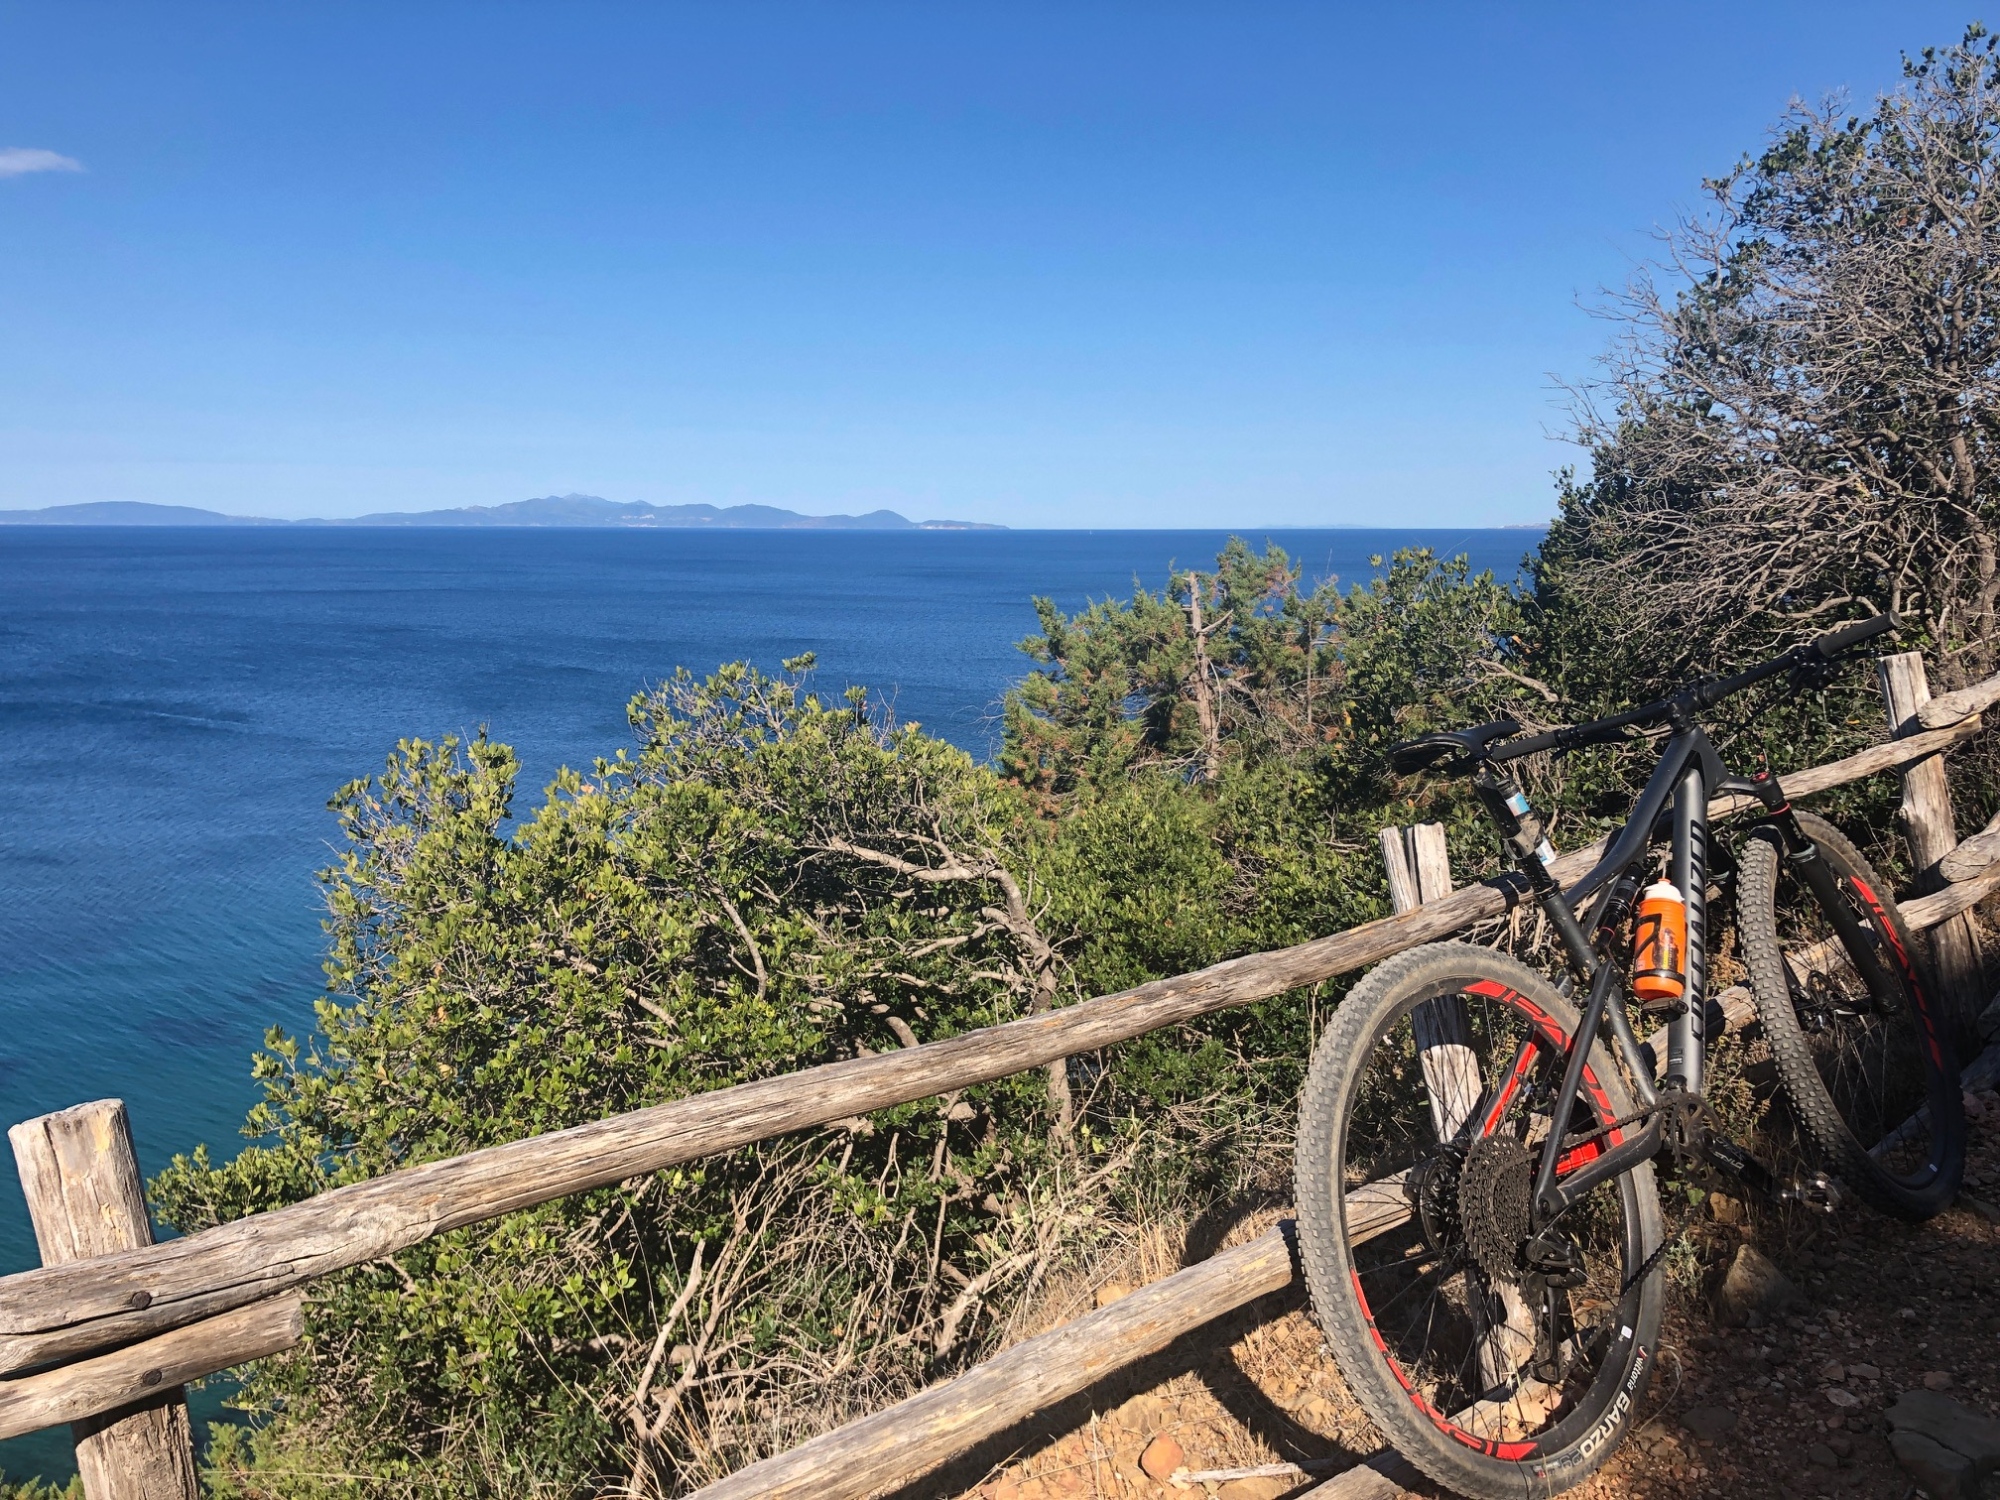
point(1812, 657)
point(1836, 641)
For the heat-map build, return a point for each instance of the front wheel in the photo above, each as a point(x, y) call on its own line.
point(1865, 1064)
point(1419, 1128)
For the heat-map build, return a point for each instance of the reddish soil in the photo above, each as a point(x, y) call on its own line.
point(1889, 1307)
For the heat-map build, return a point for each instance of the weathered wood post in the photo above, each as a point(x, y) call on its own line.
point(1932, 832)
point(1419, 868)
point(81, 1180)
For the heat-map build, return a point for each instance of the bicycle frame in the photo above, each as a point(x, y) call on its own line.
point(1675, 798)
point(1676, 789)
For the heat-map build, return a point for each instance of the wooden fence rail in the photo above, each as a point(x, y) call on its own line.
point(217, 1298)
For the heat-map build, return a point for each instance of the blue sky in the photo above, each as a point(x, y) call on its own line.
point(1069, 265)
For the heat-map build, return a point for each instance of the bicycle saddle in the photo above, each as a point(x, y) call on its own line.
point(1419, 754)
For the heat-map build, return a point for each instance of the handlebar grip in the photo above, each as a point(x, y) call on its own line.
point(1837, 641)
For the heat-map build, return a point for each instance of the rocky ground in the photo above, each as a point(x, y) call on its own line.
point(1887, 1356)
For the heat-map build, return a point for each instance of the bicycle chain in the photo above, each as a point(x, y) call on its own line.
point(1680, 1102)
point(1651, 1262)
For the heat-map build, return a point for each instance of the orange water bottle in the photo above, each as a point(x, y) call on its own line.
point(1659, 945)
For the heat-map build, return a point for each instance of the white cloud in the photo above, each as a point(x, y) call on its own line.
point(18, 161)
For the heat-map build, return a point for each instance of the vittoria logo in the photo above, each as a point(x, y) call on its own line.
point(1638, 1369)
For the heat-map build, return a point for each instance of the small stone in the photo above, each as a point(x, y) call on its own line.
point(1841, 1446)
point(1111, 1291)
point(1907, 1314)
point(1833, 1371)
point(1864, 1372)
point(1823, 1455)
point(1262, 1488)
point(1162, 1456)
point(1843, 1398)
point(1710, 1424)
point(1754, 1290)
point(1662, 1445)
point(1937, 1380)
point(1144, 1414)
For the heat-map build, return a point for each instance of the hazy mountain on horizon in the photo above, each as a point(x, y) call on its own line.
point(550, 510)
point(127, 513)
point(594, 510)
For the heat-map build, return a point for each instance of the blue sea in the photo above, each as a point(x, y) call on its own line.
point(176, 706)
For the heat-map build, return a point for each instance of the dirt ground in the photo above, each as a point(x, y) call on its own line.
point(1791, 1410)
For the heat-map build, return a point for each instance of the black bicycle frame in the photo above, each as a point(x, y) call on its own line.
point(1675, 798)
point(1676, 791)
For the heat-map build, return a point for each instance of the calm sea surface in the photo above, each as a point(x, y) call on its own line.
point(176, 706)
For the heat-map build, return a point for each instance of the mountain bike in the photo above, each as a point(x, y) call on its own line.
point(1478, 1218)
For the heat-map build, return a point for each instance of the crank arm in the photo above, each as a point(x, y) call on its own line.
point(1818, 1191)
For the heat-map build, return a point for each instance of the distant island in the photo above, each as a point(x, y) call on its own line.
point(550, 510)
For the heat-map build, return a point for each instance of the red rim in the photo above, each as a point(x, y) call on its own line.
point(1553, 1036)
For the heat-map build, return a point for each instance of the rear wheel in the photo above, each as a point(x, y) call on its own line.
point(1419, 1129)
point(1866, 1066)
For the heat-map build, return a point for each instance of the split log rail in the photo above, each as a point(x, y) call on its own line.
point(105, 1332)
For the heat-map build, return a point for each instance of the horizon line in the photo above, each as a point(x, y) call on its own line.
point(799, 520)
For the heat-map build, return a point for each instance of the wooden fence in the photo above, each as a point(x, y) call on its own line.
point(104, 1333)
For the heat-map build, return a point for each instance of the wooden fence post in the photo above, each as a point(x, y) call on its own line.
point(1419, 869)
point(1932, 832)
point(1443, 1034)
point(81, 1180)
